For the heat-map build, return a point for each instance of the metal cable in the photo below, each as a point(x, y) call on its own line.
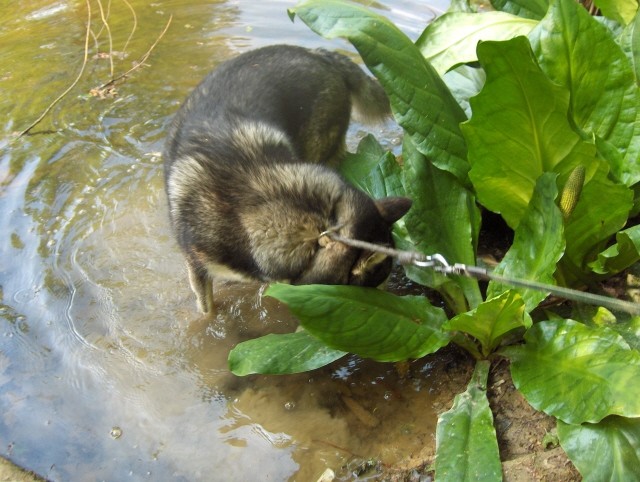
point(438, 263)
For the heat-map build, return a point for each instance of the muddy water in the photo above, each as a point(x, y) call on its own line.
point(107, 372)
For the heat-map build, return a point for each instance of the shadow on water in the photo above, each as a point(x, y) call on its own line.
point(106, 369)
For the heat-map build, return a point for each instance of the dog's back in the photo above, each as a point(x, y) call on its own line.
point(248, 191)
point(305, 94)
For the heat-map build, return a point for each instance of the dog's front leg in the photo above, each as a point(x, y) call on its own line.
point(202, 286)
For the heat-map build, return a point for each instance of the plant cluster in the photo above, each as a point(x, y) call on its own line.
point(530, 111)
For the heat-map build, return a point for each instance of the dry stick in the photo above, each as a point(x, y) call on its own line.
point(142, 59)
point(96, 44)
point(109, 36)
point(73, 84)
point(96, 36)
point(135, 24)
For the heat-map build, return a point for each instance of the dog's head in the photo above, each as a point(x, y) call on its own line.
point(284, 226)
point(357, 217)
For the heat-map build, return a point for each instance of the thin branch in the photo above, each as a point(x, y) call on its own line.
point(142, 60)
point(73, 84)
point(135, 24)
point(96, 44)
point(109, 36)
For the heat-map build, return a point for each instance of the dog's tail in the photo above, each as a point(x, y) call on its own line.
point(369, 101)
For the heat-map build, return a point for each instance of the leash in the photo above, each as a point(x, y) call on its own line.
point(438, 263)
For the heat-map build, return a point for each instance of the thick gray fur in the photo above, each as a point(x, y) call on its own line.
point(247, 180)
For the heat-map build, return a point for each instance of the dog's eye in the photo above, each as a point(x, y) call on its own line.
point(375, 259)
point(365, 265)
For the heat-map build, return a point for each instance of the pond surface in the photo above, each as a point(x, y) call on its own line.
point(107, 371)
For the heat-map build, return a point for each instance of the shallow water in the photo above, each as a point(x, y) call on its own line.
point(107, 372)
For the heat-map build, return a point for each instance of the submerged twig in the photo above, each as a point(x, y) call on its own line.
point(140, 62)
point(90, 34)
point(73, 84)
point(105, 23)
point(135, 25)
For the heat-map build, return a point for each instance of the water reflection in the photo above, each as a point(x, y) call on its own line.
point(98, 329)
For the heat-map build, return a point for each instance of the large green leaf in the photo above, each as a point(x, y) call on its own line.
point(537, 246)
point(576, 373)
point(579, 53)
point(622, 11)
point(279, 354)
point(620, 255)
point(466, 443)
point(443, 219)
point(421, 102)
point(519, 130)
point(609, 450)
point(365, 321)
point(451, 39)
point(492, 320)
point(523, 8)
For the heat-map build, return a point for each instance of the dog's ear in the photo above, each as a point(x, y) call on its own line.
point(393, 208)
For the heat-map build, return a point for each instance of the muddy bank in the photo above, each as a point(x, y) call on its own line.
point(528, 448)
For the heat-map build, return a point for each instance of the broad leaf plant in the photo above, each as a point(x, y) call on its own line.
point(530, 111)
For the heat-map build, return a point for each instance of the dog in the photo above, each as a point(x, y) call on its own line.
point(249, 180)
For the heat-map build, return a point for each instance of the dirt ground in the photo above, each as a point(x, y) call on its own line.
point(528, 448)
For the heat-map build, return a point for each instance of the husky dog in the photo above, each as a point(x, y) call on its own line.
point(247, 180)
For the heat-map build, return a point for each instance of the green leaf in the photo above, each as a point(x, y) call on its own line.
point(451, 39)
point(355, 167)
point(366, 321)
point(622, 11)
point(579, 53)
point(465, 82)
point(420, 100)
point(600, 316)
point(621, 255)
point(537, 246)
point(602, 210)
point(281, 354)
point(374, 171)
point(630, 331)
point(523, 8)
point(576, 373)
point(443, 219)
point(630, 43)
point(609, 450)
point(492, 320)
point(385, 179)
point(461, 6)
point(519, 130)
point(466, 443)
